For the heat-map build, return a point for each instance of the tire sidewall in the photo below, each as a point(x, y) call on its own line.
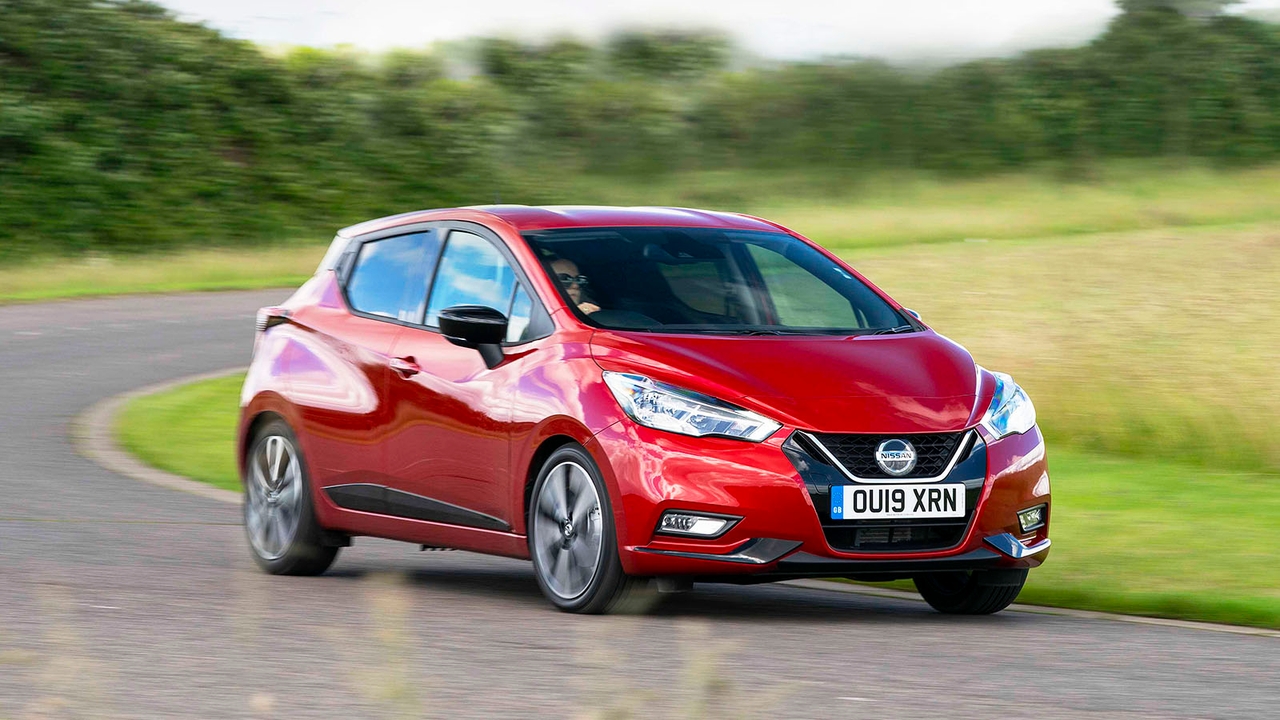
point(975, 593)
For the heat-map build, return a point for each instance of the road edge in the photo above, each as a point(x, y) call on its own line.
point(838, 586)
point(91, 436)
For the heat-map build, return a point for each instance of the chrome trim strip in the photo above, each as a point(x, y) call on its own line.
point(1013, 547)
point(965, 444)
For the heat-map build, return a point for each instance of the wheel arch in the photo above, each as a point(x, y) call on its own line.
point(249, 427)
point(543, 451)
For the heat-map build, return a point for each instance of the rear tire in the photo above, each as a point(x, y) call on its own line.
point(977, 592)
point(573, 540)
point(279, 518)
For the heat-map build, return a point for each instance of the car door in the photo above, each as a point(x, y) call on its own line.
point(449, 453)
point(340, 375)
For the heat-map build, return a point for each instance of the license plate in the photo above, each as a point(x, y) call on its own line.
point(890, 501)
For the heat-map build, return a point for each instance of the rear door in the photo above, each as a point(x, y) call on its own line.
point(449, 454)
point(341, 379)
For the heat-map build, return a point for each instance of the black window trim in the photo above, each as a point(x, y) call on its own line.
point(346, 262)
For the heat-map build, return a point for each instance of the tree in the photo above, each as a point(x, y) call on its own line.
point(668, 54)
point(1190, 8)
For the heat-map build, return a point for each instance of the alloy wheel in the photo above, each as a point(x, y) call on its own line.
point(567, 530)
point(273, 506)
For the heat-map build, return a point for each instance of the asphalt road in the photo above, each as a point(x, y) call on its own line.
point(119, 598)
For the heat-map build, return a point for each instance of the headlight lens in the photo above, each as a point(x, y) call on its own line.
point(665, 407)
point(1011, 410)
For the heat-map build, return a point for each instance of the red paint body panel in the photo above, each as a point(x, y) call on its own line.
point(467, 435)
point(451, 425)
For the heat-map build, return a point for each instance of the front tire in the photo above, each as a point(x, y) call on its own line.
point(573, 541)
point(978, 592)
point(279, 517)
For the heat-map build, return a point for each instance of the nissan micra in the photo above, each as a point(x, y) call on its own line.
point(634, 399)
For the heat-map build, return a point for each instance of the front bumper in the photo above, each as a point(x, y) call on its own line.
point(779, 497)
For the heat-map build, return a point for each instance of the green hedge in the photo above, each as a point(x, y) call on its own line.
point(122, 128)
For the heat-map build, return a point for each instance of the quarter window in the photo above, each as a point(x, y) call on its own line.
point(472, 272)
point(390, 275)
point(518, 327)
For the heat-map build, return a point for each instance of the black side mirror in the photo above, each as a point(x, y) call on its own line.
point(476, 326)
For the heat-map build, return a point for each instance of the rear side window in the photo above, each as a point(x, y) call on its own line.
point(390, 275)
point(472, 272)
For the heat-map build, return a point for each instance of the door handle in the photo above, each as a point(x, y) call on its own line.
point(405, 366)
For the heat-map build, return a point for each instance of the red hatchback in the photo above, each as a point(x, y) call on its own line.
point(633, 398)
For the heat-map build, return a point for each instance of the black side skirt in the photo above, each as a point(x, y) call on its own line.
point(370, 498)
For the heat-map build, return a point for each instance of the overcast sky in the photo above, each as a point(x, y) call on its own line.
point(784, 29)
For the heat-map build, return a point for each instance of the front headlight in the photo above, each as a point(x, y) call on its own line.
point(1011, 410)
point(661, 406)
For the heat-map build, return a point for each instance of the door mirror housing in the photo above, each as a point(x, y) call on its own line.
point(476, 326)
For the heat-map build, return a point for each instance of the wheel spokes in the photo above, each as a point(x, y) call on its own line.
point(559, 483)
point(262, 467)
point(560, 569)
point(582, 556)
point(546, 531)
point(547, 507)
point(274, 453)
point(583, 505)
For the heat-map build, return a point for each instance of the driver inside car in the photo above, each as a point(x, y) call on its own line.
point(566, 271)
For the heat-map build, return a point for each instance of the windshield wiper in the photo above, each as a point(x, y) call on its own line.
point(750, 331)
point(738, 331)
point(703, 330)
point(894, 330)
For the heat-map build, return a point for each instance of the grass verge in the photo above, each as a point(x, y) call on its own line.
point(1130, 535)
point(189, 430)
point(1162, 539)
point(185, 271)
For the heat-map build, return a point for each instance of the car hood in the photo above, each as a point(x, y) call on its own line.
point(917, 382)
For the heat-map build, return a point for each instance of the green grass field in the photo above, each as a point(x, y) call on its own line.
point(1140, 310)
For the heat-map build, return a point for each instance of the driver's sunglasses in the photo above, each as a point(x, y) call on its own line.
point(568, 279)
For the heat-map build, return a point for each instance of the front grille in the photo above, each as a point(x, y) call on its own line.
point(857, 453)
point(889, 536)
point(898, 536)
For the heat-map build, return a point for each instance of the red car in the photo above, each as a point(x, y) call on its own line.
point(635, 399)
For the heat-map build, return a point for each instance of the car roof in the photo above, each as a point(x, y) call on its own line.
point(525, 218)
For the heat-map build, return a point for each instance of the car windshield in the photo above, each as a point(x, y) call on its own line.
point(709, 281)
